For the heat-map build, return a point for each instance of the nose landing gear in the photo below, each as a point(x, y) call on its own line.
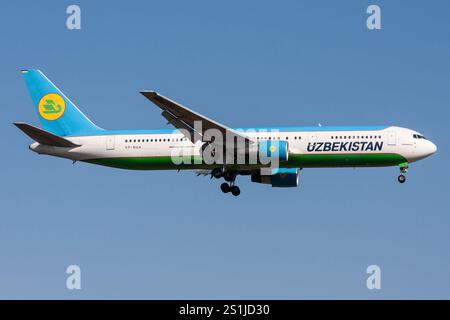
point(403, 168)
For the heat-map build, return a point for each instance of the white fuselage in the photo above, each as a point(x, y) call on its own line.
point(148, 144)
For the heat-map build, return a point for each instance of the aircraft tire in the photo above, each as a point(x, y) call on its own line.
point(225, 187)
point(235, 191)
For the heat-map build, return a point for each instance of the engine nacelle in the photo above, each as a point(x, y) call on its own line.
point(280, 178)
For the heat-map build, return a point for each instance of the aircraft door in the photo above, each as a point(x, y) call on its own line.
point(392, 138)
point(110, 142)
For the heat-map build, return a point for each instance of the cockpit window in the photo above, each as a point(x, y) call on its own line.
point(418, 136)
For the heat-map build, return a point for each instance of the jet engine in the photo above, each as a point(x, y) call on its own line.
point(280, 178)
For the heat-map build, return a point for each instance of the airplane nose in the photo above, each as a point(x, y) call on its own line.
point(429, 148)
point(425, 149)
point(433, 148)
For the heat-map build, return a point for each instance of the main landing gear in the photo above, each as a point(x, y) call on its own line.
point(216, 173)
point(403, 169)
point(230, 178)
point(225, 187)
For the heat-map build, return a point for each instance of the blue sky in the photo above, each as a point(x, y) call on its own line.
point(162, 235)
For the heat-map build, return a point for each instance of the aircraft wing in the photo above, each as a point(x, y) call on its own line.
point(183, 118)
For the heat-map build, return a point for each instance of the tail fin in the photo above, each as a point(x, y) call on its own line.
point(56, 112)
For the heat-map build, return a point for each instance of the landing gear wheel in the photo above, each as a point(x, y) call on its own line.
point(401, 178)
point(235, 191)
point(225, 187)
point(229, 176)
point(216, 173)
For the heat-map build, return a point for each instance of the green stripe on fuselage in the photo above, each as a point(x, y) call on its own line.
point(150, 163)
point(345, 160)
point(295, 161)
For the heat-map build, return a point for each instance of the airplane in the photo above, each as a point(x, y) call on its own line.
point(67, 133)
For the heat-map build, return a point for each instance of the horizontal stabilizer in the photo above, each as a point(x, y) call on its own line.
point(44, 137)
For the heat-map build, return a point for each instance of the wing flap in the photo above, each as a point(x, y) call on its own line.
point(180, 124)
point(182, 117)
